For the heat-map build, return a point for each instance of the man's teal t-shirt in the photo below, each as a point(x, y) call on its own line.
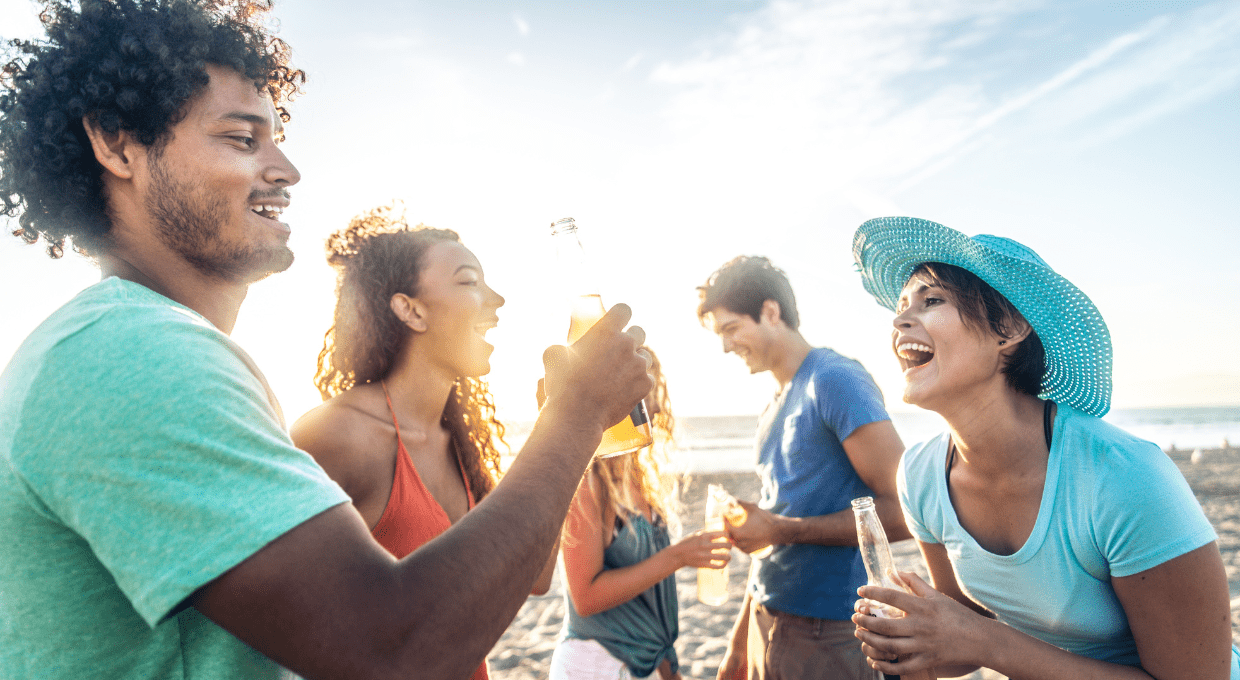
point(141, 456)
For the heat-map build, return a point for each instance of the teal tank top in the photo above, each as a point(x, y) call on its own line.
point(640, 632)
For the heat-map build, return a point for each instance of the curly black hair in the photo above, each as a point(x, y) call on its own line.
point(133, 65)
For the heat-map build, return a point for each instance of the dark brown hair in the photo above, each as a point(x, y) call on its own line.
point(985, 309)
point(375, 257)
point(743, 284)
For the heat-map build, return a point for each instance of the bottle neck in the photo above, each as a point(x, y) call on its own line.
point(577, 279)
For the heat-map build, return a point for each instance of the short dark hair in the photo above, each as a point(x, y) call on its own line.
point(743, 284)
point(984, 308)
point(132, 64)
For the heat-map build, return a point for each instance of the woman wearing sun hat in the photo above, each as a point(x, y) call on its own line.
point(1059, 546)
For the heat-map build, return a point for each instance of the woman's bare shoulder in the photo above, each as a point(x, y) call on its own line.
point(342, 433)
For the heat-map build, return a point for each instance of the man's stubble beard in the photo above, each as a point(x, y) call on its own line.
point(189, 221)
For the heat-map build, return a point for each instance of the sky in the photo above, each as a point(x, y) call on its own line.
point(1104, 135)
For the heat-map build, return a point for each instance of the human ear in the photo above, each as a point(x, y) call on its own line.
point(771, 311)
point(410, 311)
point(1022, 332)
point(115, 151)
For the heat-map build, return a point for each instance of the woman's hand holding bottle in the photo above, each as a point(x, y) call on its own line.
point(702, 549)
point(932, 631)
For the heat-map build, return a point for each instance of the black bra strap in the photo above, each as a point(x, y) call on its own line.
point(1046, 430)
point(1046, 422)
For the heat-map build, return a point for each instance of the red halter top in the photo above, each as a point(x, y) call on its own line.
point(413, 516)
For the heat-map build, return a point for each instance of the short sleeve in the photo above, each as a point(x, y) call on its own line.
point(152, 441)
point(914, 489)
point(1145, 514)
point(848, 398)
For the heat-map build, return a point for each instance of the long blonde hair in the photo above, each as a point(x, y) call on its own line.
point(646, 471)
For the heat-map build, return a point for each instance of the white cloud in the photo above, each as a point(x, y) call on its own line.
point(516, 58)
point(1189, 59)
point(887, 93)
point(523, 26)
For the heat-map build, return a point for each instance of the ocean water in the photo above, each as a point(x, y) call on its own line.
point(726, 443)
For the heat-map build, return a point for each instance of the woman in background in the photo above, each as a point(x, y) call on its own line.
point(407, 427)
point(1059, 546)
point(620, 563)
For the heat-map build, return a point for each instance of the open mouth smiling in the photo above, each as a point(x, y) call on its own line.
point(271, 212)
point(913, 354)
point(482, 328)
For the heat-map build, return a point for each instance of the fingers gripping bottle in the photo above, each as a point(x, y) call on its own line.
point(737, 515)
point(880, 568)
point(713, 583)
point(585, 309)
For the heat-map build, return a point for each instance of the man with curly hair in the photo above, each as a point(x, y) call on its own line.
point(157, 520)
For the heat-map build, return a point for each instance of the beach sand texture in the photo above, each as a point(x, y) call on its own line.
point(524, 652)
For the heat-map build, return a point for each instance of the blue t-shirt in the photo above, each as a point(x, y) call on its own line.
point(141, 456)
point(1112, 505)
point(805, 473)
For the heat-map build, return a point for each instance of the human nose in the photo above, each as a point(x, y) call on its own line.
point(652, 405)
point(903, 319)
point(727, 343)
point(496, 299)
point(280, 170)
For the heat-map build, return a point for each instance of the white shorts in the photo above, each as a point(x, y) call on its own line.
point(586, 660)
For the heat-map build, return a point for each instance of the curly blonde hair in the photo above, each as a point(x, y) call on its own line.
point(645, 470)
point(377, 256)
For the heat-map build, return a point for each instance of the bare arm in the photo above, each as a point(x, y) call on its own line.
point(874, 450)
point(594, 589)
point(543, 584)
point(735, 664)
point(326, 601)
point(1178, 612)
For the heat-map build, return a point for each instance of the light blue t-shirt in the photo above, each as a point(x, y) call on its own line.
point(141, 456)
point(806, 473)
point(1112, 505)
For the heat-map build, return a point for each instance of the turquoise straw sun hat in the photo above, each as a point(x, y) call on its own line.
point(1076, 339)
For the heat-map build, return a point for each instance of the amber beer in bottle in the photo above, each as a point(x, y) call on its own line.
point(880, 568)
point(712, 584)
point(585, 309)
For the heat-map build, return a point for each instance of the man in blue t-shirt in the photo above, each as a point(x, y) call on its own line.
point(824, 440)
point(158, 521)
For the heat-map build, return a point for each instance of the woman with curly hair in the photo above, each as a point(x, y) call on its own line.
point(620, 563)
point(407, 427)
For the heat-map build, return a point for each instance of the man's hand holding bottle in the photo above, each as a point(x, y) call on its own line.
point(597, 380)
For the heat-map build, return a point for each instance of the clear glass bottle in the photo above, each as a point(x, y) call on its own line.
point(876, 554)
point(713, 583)
point(585, 309)
point(880, 568)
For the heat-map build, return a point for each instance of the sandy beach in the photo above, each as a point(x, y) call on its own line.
point(523, 653)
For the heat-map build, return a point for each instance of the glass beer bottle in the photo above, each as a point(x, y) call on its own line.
point(712, 584)
point(880, 568)
point(585, 309)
